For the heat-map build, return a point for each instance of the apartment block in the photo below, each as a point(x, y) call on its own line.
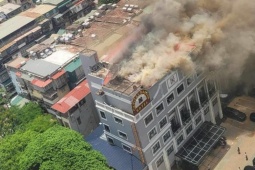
point(156, 123)
point(42, 76)
point(76, 110)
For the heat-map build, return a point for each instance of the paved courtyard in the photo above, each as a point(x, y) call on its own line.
point(239, 135)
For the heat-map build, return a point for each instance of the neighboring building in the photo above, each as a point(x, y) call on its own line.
point(74, 72)
point(156, 123)
point(76, 110)
point(116, 157)
point(12, 68)
point(9, 10)
point(42, 77)
point(21, 32)
point(25, 4)
point(70, 11)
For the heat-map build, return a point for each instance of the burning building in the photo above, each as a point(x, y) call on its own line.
point(153, 94)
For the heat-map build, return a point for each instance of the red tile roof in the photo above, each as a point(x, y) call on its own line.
point(41, 83)
point(58, 74)
point(72, 98)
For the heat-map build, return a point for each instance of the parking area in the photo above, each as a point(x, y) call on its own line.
point(238, 134)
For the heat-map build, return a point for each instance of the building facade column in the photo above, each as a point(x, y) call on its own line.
point(167, 163)
point(211, 112)
point(219, 105)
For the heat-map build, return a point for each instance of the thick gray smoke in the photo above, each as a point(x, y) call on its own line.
point(221, 30)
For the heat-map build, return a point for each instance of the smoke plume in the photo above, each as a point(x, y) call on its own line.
point(190, 35)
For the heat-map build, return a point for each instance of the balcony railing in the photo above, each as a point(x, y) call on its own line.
point(203, 99)
point(50, 95)
point(194, 106)
point(175, 128)
point(185, 115)
point(212, 91)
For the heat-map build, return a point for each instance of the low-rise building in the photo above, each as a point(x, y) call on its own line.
point(76, 110)
point(9, 10)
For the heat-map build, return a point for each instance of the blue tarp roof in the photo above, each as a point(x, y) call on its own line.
point(116, 156)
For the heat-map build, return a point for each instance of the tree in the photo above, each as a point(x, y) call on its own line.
point(61, 148)
point(11, 147)
point(17, 118)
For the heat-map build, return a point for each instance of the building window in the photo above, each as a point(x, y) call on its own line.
point(170, 98)
point(198, 120)
point(107, 128)
point(126, 148)
point(159, 109)
point(82, 101)
point(148, 119)
point(160, 161)
point(156, 147)
point(102, 114)
point(170, 150)
point(172, 80)
point(140, 100)
point(180, 89)
point(179, 140)
point(190, 80)
point(118, 120)
point(110, 141)
point(123, 135)
point(163, 122)
point(206, 111)
point(189, 129)
point(152, 133)
point(166, 136)
point(79, 120)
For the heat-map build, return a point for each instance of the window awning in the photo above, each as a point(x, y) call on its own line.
point(200, 143)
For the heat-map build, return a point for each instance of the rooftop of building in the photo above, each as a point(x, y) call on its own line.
point(54, 2)
point(16, 62)
point(72, 98)
point(8, 8)
point(108, 30)
point(19, 101)
point(73, 65)
point(39, 67)
point(116, 156)
point(37, 11)
point(13, 25)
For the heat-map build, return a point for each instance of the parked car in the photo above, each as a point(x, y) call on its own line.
point(252, 117)
point(234, 114)
point(248, 167)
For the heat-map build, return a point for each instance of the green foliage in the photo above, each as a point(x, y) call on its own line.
point(12, 147)
point(41, 123)
point(107, 1)
point(17, 118)
point(61, 148)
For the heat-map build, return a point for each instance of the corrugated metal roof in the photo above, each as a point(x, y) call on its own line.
point(116, 156)
point(73, 65)
point(72, 98)
point(41, 83)
point(40, 67)
point(9, 7)
point(13, 24)
point(58, 74)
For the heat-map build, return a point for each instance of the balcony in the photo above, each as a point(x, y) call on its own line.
point(203, 99)
point(185, 115)
point(50, 96)
point(175, 126)
point(212, 92)
point(194, 106)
